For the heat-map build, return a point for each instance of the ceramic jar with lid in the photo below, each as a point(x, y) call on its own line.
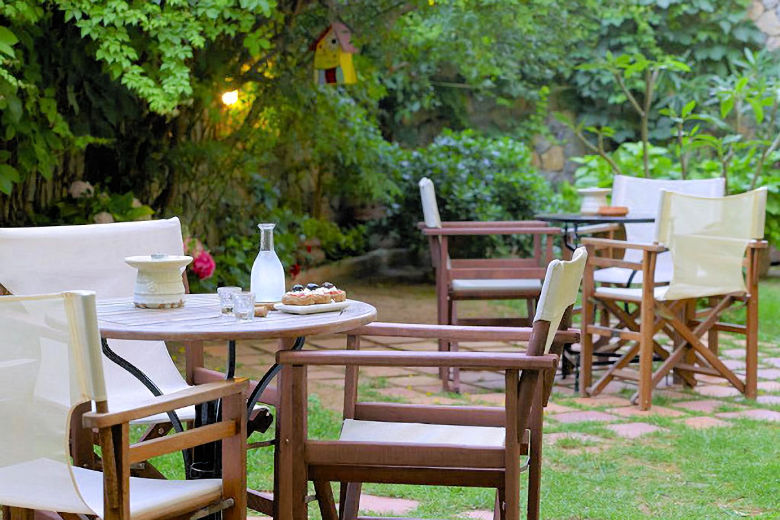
point(159, 284)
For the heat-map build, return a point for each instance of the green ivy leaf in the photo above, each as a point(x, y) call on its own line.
point(8, 176)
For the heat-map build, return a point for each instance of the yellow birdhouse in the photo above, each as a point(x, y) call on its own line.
point(333, 56)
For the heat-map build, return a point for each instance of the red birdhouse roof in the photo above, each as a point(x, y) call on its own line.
point(343, 35)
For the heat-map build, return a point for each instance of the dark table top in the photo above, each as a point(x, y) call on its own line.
point(579, 218)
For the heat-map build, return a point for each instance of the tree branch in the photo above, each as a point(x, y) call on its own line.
point(628, 94)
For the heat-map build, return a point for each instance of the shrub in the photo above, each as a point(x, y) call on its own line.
point(476, 178)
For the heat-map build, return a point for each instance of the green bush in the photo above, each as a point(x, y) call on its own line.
point(476, 178)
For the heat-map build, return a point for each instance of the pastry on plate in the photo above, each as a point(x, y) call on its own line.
point(320, 293)
point(298, 295)
point(336, 294)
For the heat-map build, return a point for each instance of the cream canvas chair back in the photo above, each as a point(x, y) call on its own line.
point(641, 196)
point(559, 291)
point(91, 257)
point(429, 206)
point(49, 363)
point(707, 238)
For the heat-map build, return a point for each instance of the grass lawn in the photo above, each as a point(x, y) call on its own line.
point(675, 473)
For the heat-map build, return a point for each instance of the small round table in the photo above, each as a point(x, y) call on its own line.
point(577, 219)
point(200, 319)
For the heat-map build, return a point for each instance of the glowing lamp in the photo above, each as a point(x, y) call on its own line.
point(230, 98)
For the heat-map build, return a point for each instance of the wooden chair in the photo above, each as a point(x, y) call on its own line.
point(431, 445)
point(707, 239)
point(641, 196)
point(482, 278)
point(50, 375)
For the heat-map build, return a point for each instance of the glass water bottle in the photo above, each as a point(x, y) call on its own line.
point(267, 271)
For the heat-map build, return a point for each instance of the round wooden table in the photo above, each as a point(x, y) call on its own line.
point(200, 319)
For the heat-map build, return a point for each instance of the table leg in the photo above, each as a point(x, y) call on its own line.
point(153, 388)
point(571, 246)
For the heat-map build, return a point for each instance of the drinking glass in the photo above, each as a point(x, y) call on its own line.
point(226, 298)
point(244, 306)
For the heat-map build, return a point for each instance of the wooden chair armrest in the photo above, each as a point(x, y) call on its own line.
point(621, 244)
point(595, 228)
point(758, 244)
point(492, 230)
point(164, 403)
point(457, 333)
point(474, 360)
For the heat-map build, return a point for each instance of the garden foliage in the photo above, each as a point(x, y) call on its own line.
point(126, 96)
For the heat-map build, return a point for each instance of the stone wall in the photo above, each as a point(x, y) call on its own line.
point(766, 15)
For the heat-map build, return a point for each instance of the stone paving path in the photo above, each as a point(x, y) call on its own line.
point(711, 404)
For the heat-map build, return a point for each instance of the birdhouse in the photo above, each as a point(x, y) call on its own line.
point(333, 56)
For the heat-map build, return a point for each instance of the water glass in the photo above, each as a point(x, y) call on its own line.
point(244, 306)
point(226, 298)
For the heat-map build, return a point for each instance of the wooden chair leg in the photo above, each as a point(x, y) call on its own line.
point(586, 349)
point(751, 347)
point(535, 462)
point(712, 334)
point(647, 330)
point(324, 493)
point(498, 510)
point(18, 513)
point(530, 307)
point(352, 501)
point(342, 497)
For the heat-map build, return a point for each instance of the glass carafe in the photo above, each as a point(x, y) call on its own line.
point(267, 271)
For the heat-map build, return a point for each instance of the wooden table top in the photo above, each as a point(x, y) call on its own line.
point(200, 319)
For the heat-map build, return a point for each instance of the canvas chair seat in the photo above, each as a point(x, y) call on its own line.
point(513, 285)
point(622, 275)
point(149, 498)
point(630, 294)
point(418, 433)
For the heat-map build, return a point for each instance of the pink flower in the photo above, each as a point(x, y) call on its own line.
point(204, 265)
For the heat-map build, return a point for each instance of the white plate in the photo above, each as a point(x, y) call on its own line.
point(312, 309)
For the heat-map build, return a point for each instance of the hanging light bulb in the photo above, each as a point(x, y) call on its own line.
point(230, 98)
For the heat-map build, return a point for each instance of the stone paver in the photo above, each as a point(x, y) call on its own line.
point(704, 406)
point(553, 408)
point(757, 414)
point(734, 364)
point(384, 371)
point(634, 411)
point(769, 386)
point(495, 399)
point(705, 422)
point(386, 505)
point(769, 373)
point(769, 399)
point(717, 391)
point(584, 416)
point(773, 361)
point(634, 429)
point(734, 352)
point(603, 400)
point(704, 378)
point(671, 394)
point(478, 515)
